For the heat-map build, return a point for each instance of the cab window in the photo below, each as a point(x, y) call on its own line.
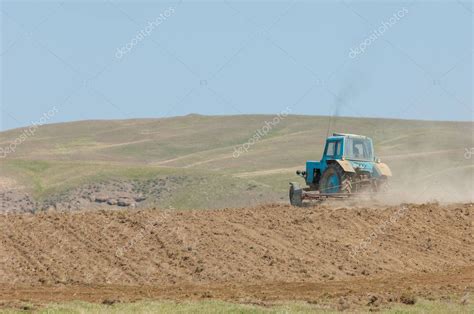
point(359, 149)
point(334, 149)
point(331, 149)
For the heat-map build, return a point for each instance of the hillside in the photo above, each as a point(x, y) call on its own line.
point(191, 161)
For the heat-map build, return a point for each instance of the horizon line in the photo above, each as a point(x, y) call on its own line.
point(237, 115)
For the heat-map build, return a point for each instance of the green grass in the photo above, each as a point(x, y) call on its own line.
point(62, 156)
point(436, 307)
point(210, 307)
point(200, 189)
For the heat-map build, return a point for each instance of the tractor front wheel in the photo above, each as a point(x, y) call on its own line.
point(335, 180)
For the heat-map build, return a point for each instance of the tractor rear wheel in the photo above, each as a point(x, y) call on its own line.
point(335, 180)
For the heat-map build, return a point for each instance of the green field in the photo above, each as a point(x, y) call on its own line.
point(214, 307)
point(61, 156)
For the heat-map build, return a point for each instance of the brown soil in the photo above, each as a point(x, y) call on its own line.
point(362, 255)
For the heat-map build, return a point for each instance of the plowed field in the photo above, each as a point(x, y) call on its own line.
point(363, 254)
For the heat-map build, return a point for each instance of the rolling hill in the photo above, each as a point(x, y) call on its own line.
point(195, 160)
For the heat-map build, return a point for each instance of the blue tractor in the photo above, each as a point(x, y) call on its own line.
point(348, 167)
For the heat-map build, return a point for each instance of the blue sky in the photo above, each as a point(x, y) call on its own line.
point(235, 57)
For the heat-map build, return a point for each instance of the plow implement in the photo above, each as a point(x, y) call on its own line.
point(298, 195)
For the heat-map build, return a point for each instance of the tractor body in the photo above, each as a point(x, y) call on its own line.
point(348, 166)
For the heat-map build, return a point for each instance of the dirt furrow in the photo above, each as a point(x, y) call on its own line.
point(186, 254)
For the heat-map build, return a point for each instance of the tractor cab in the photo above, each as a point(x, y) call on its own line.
point(348, 146)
